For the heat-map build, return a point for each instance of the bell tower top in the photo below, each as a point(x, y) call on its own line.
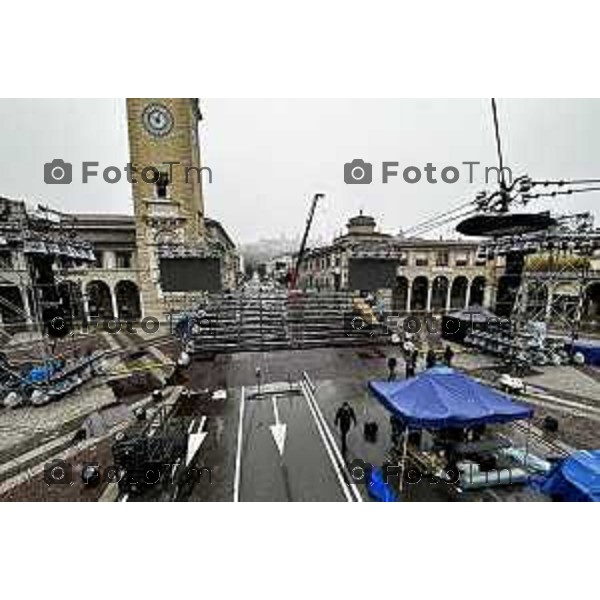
point(166, 180)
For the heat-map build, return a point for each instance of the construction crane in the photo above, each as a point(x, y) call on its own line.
point(302, 250)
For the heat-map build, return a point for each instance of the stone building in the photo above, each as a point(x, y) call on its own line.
point(91, 260)
point(178, 252)
point(120, 266)
point(111, 286)
point(411, 274)
point(279, 268)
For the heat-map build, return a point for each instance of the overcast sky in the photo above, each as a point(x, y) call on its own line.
point(269, 156)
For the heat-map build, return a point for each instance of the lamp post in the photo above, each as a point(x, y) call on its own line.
point(258, 374)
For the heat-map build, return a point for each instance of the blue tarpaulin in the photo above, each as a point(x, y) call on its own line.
point(379, 489)
point(590, 350)
point(40, 373)
point(575, 479)
point(441, 397)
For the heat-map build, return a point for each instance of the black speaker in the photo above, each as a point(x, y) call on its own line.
point(370, 431)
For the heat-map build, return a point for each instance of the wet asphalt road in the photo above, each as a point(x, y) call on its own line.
point(245, 462)
point(303, 472)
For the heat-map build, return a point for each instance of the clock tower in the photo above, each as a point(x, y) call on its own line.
point(167, 193)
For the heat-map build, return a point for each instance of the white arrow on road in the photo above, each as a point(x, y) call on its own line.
point(279, 429)
point(195, 440)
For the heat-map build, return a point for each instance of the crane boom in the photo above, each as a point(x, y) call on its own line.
point(302, 250)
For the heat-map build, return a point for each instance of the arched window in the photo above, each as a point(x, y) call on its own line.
point(400, 295)
point(439, 293)
point(477, 291)
point(128, 300)
point(99, 300)
point(458, 293)
point(419, 294)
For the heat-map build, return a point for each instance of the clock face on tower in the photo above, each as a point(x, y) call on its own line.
point(157, 119)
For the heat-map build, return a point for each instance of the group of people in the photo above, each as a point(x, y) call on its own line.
point(411, 357)
point(345, 417)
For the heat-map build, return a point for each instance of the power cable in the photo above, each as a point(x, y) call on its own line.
point(498, 143)
point(445, 221)
point(443, 215)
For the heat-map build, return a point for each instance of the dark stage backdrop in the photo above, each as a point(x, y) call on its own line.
point(371, 273)
point(190, 274)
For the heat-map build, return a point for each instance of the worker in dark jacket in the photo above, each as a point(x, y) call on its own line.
point(343, 419)
point(430, 359)
point(392, 363)
point(448, 355)
point(410, 367)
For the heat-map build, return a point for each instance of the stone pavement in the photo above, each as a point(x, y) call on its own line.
point(41, 423)
point(567, 380)
point(466, 360)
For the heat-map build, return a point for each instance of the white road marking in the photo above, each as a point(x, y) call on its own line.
point(195, 440)
point(305, 392)
point(238, 456)
point(278, 430)
point(333, 443)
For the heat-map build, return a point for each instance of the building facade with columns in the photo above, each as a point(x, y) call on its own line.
point(410, 274)
point(85, 263)
point(162, 258)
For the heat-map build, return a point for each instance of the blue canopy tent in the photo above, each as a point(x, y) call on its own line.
point(575, 479)
point(589, 348)
point(441, 398)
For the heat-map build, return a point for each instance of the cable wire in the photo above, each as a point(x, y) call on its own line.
point(443, 215)
point(498, 143)
point(438, 224)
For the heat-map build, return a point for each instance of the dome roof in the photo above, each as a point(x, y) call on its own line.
point(361, 220)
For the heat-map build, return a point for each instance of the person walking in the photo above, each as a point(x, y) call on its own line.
point(392, 363)
point(415, 360)
point(344, 418)
point(448, 355)
point(410, 366)
point(430, 359)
